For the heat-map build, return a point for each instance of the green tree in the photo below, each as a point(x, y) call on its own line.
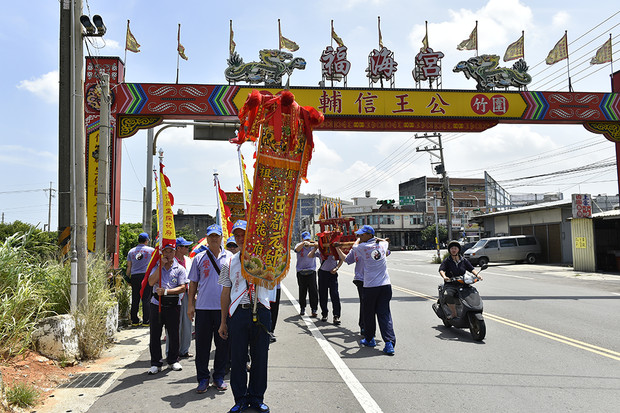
point(187, 233)
point(35, 242)
point(428, 234)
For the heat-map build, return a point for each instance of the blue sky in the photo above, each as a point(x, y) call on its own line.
point(29, 34)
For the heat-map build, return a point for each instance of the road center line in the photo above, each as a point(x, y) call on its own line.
point(534, 330)
point(361, 394)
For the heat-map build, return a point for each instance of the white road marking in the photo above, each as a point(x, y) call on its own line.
point(514, 276)
point(361, 394)
point(437, 275)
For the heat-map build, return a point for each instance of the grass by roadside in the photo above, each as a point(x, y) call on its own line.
point(34, 286)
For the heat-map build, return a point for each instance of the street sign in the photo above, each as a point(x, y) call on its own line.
point(407, 200)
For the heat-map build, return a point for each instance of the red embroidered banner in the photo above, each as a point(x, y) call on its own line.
point(284, 130)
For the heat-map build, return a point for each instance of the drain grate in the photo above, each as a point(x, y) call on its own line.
point(85, 380)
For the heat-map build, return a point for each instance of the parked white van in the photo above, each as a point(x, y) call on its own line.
point(498, 249)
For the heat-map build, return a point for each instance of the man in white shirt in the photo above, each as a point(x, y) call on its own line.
point(371, 254)
point(244, 332)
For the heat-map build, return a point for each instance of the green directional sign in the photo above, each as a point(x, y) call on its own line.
point(407, 200)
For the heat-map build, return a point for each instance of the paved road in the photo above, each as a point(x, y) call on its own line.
point(552, 344)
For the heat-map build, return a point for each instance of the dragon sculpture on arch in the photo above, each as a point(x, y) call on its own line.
point(484, 69)
point(273, 65)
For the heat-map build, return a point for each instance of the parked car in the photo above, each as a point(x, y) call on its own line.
point(497, 249)
point(467, 245)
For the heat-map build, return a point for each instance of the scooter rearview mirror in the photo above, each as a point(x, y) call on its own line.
point(484, 267)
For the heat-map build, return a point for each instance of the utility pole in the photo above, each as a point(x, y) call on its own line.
point(49, 209)
point(441, 170)
point(64, 115)
point(79, 276)
point(103, 183)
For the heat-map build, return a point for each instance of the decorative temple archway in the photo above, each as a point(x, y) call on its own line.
point(139, 106)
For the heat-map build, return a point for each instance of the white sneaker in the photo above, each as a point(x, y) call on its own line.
point(176, 366)
point(154, 370)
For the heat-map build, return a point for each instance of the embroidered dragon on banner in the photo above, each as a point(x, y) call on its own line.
point(273, 65)
point(484, 69)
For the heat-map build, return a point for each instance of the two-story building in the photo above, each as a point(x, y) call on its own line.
point(468, 200)
point(402, 226)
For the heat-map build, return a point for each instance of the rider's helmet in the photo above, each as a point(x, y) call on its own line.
point(454, 244)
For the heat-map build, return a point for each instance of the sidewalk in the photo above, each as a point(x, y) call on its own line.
point(127, 347)
point(298, 369)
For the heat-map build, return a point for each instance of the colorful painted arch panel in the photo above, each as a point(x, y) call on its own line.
point(215, 101)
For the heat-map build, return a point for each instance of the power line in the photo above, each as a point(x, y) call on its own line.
point(577, 39)
point(24, 191)
point(131, 163)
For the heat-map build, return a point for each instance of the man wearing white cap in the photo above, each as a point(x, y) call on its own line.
point(244, 332)
point(166, 291)
point(205, 304)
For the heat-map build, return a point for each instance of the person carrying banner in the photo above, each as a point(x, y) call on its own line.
point(328, 283)
point(358, 278)
point(137, 261)
point(243, 331)
point(306, 274)
point(165, 297)
point(204, 304)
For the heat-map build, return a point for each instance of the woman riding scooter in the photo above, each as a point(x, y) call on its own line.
point(454, 266)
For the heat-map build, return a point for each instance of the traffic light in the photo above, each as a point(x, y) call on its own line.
point(440, 169)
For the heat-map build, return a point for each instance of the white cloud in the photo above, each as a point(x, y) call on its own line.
point(45, 87)
point(28, 157)
point(104, 43)
point(561, 19)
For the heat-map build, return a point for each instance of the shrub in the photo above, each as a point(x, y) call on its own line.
point(122, 291)
point(22, 395)
point(57, 287)
point(36, 242)
point(91, 321)
point(22, 300)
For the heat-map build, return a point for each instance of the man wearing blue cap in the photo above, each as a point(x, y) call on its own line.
point(371, 254)
point(306, 274)
point(231, 245)
point(205, 304)
point(243, 331)
point(137, 261)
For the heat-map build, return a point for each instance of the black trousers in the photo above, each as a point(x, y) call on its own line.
point(169, 318)
point(306, 281)
point(136, 285)
point(328, 283)
point(207, 324)
point(360, 293)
